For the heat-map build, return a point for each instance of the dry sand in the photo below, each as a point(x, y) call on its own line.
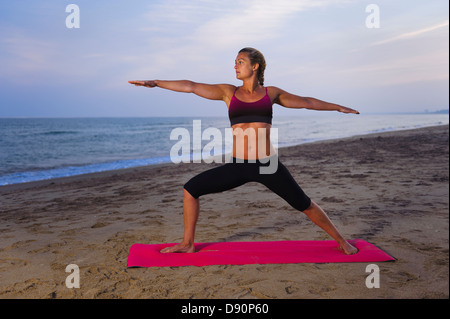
point(390, 189)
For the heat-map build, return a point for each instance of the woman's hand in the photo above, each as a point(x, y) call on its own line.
point(149, 84)
point(344, 109)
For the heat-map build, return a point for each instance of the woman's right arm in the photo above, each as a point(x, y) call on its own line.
point(207, 91)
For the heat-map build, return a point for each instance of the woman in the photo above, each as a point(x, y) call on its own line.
point(250, 109)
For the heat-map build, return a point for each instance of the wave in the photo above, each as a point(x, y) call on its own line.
point(32, 176)
point(59, 132)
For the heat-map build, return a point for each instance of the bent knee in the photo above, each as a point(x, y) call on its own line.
point(308, 206)
point(187, 195)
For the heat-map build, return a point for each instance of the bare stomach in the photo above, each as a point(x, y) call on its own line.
point(252, 141)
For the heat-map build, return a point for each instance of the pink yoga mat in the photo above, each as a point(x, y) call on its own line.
point(265, 252)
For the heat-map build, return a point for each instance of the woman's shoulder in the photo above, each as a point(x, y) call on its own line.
point(274, 89)
point(228, 89)
point(274, 92)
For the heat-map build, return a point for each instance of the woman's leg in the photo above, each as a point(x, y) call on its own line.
point(191, 210)
point(316, 214)
point(283, 184)
point(215, 180)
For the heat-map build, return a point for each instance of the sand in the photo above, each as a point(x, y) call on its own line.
point(391, 189)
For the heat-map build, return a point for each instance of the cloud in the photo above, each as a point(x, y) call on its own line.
point(172, 37)
point(256, 21)
point(252, 21)
point(26, 53)
point(412, 34)
point(430, 66)
point(189, 33)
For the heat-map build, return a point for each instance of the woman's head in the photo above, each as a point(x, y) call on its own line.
point(256, 57)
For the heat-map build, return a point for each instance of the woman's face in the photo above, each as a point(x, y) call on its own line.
point(243, 66)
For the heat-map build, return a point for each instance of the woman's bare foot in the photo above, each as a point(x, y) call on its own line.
point(180, 248)
point(347, 248)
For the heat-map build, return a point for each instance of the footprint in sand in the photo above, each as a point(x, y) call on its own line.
point(100, 225)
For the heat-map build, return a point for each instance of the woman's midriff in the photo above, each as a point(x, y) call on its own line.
point(252, 141)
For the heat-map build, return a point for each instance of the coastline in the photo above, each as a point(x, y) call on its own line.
point(388, 188)
point(72, 148)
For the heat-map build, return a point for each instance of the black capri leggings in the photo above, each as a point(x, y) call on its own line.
point(235, 174)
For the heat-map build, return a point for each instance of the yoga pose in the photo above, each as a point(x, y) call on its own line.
point(250, 113)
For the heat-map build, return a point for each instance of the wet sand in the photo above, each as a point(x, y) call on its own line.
point(391, 189)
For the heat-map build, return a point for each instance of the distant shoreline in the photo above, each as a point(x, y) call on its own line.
point(443, 111)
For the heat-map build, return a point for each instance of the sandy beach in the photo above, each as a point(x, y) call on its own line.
point(391, 189)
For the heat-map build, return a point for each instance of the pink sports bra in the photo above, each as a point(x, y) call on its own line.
point(249, 112)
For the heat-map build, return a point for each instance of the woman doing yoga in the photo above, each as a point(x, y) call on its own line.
point(250, 113)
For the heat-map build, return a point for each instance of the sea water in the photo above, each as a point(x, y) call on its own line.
point(33, 149)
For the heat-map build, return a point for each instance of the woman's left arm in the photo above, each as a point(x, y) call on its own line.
point(299, 102)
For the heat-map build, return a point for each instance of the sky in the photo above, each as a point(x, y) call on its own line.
point(393, 58)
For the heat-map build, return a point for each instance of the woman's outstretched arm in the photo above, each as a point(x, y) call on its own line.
point(207, 91)
point(294, 101)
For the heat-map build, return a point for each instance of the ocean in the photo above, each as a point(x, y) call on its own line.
point(33, 149)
